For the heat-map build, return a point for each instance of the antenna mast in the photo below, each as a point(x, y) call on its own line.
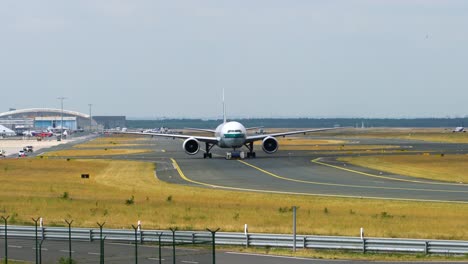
point(224, 108)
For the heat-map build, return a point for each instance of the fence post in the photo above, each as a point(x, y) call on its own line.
point(40, 251)
point(364, 245)
point(5, 219)
point(213, 234)
point(246, 232)
point(69, 241)
point(140, 230)
point(294, 228)
point(35, 237)
point(426, 247)
point(136, 243)
point(361, 231)
point(159, 247)
point(173, 245)
point(41, 225)
point(101, 243)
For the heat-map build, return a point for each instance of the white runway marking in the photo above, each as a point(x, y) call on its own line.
point(66, 251)
point(272, 256)
point(155, 259)
point(13, 246)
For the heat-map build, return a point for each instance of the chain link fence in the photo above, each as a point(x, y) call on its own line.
point(69, 245)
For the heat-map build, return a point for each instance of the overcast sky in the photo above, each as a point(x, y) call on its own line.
point(375, 58)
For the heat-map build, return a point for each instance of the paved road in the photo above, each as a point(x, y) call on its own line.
point(88, 252)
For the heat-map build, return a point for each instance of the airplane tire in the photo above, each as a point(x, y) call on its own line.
point(254, 155)
point(204, 155)
point(210, 155)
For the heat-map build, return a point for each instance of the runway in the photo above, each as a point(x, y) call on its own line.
point(300, 173)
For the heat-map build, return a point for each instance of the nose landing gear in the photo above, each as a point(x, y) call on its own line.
point(235, 155)
point(207, 153)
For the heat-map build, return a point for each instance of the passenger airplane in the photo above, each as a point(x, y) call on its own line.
point(231, 135)
point(459, 129)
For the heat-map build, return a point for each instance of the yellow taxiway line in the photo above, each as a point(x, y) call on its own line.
point(384, 177)
point(343, 185)
point(184, 177)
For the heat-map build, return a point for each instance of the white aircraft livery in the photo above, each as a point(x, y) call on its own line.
point(230, 135)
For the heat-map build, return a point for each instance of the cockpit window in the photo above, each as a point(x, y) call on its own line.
point(234, 131)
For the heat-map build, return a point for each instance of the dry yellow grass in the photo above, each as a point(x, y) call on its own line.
point(95, 152)
point(451, 168)
point(307, 141)
point(35, 187)
point(425, 134)
point(113, 141)
point(343, 148)
point(110, 145)
point(298, 143)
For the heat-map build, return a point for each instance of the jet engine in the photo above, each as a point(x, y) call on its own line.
point(270, 145)
point(191, 146)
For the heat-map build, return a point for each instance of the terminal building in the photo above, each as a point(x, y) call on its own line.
point(44, 118)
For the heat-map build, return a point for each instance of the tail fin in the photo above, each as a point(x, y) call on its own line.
point(224, 109)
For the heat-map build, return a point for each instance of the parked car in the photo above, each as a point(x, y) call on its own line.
point(28, 149)
point(21, 154)
point(2, 153)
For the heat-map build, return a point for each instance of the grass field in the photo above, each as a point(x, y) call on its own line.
point(451, 168)
point(123, 192)
point(342, 148)
point(95, 152)
point(425, 134)
point(14, 261)
point(116, 141)
point(307, 141)
point(299, 143)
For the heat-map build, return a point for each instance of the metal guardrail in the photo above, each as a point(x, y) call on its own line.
point(241, 239)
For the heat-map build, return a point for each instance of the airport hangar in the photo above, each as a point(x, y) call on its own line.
point(43, 118)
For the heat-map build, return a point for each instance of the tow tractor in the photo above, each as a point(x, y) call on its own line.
point(235, 155)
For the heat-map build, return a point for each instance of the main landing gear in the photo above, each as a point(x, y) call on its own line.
point(207, 153)
point(233, 154)
point(251, 153)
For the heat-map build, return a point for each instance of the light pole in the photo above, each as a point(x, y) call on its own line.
point(61, 116)
point(90, 118)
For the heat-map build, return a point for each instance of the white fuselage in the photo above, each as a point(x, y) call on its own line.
point(231, 135)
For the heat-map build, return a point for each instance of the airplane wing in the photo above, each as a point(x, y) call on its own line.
point(261, 137)
point(212, 140)
point(200, 129)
